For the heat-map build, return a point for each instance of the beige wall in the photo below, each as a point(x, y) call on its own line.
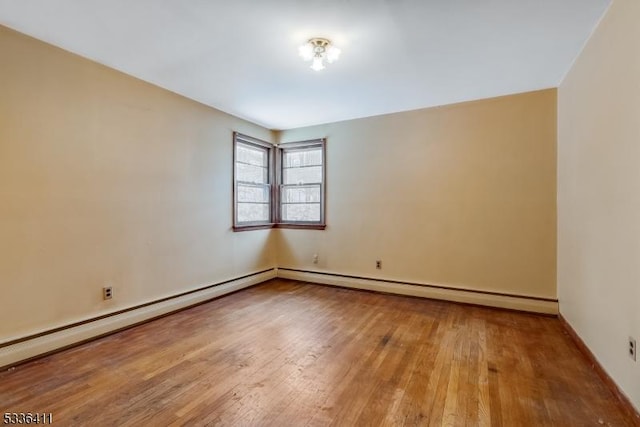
point(105, 179)
point(599, 194)
point(462, 195)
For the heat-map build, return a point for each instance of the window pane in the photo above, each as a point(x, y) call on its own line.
point(253, 193)
point(305, 157)
point(301, 197)
point(253, 181)
point(301, 194)
point(252, 155)
point(302, 175)
point(250, 173)
point(253, 212)
point(301, 212)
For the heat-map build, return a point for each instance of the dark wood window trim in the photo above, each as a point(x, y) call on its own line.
point(269, 148)
point(253, 227)
point(281, 150)
point(300, 226)
point(275, 174)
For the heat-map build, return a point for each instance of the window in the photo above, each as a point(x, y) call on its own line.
point(301, 182)
point(280, 186)
point(252, 182)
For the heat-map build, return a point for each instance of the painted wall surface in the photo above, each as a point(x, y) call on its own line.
point(599, 194)
point(462, 195)
point(105, 179)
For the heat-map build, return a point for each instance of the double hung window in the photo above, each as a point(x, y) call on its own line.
point(253, 179)
point(278, 186)
point(302, 183)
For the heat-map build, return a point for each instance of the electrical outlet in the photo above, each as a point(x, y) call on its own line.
point(632, 348)
point(379, 264)
point(107, 292)
point(315, 258)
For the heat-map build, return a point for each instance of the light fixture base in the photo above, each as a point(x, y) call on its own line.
point(318, 42)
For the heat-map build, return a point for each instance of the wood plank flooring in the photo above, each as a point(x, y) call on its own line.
point(288, 353)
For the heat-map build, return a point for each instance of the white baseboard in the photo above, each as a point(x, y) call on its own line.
point(30, 348)
point(513, 302)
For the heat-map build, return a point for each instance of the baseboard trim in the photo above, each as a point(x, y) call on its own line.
point(440, 292)
point(624, 401)
point(22, 349)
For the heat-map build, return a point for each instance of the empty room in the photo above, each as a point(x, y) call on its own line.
point(342, 212)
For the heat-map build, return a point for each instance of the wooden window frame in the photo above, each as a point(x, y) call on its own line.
point(293, 146)
point(239, 138)
point(275, 175)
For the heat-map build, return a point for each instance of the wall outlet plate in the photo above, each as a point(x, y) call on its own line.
point(107, 292)
point(633, 348)
point(379, 264)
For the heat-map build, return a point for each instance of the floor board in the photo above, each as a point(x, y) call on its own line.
point(288, 353)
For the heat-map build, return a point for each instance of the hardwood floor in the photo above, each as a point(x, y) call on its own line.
point(287, 353)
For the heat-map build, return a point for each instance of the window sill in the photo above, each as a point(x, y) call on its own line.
point(281, 225)
point(301, 226)
point(252, 227)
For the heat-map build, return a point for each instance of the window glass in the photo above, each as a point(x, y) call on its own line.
point(252, 182)
point(302, 190)
point(284, 190)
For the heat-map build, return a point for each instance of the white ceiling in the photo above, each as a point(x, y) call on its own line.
point(240, 56)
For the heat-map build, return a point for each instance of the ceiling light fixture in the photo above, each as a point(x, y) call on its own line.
point(318, 50)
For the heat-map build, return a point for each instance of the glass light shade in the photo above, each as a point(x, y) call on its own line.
point(317, 64)
point(306, 51)
point(319, 50)
point(333, 53)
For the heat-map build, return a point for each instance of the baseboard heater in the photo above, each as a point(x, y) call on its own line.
point(29, 347)
point(25, 348)
point(469, 296)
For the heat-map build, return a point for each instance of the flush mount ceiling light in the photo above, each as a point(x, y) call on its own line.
point(318, 50)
